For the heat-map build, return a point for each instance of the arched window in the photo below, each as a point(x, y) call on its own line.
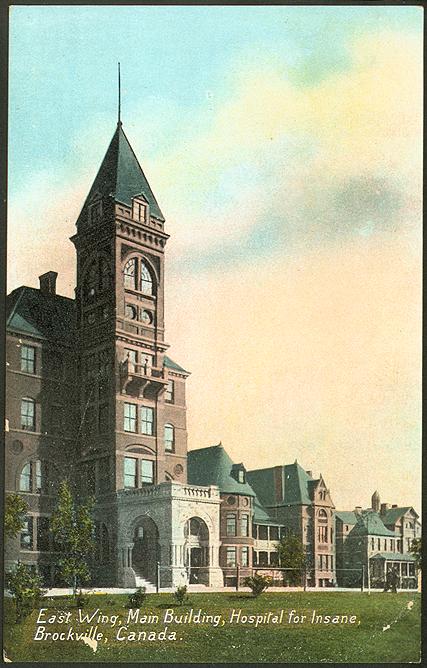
point(145, 282)
point(90, 282)
point(323, 516)
point(105, 274)
point(130, 273)
point(169, 437)
point(28, 414)
point(25, 478)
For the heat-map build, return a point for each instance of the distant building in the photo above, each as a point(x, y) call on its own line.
point(303, 506)
point(375, 541)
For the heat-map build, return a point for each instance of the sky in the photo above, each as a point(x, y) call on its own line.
point(284, 145)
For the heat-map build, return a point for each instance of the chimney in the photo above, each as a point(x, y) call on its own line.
point(48, 283)
point(384, 508)
point(394, 505)
point(358, 510)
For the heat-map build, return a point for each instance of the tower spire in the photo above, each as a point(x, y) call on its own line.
point(119, 122)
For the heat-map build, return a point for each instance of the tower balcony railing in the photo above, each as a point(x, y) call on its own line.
point(137, 377)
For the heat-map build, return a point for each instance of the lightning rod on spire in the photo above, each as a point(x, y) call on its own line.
point(119, 97)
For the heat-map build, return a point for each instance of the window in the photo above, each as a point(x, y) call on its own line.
point(130, 274)
point(38, 476)
point(241, 475)
point(231, 556)
point(28, 414)
point(139, 211)
point(411, 569)
point(323, 517)
point(28, 359)
point(392, 544)
point(244, 525)
point(25, 479)
point(231, 524)
point(145, 282)
point(27, 534)
point(372, 543)
point(130, 472)
point(322, 534)
point(103, 418)
point(130, 417)
point(245, 556)
point(43, 543)
point(170, 392)
point(131, 358)
point(147, 420)
point(169, 437)
point(274, 533)
point(147, 472)
point(130, 312)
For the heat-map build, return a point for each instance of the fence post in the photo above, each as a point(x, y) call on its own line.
point(363, 578)
point(158, 577)
point(238, 577)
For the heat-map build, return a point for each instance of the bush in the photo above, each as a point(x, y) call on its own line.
point(181, 595)
point(81, 600)
point(258, 583)
point(25, 585)
point(136, 600)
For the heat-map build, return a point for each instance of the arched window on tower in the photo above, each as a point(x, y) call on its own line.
point(169, 437)
point(130, 273)
point(145, 281)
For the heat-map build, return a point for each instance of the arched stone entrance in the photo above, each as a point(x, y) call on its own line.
point(197, 550)
point(146, 548)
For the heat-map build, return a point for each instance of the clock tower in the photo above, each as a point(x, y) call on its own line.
point(131, 394)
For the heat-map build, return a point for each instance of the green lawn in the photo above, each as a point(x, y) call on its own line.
point(387, 630)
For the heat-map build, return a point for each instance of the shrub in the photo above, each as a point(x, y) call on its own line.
point(136, 600)
point(258, 583)
point(181, 595)
point(26, 588)
point(81, 600)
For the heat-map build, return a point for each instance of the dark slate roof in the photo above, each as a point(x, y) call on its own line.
point(394, 556)
point(212, 466)
point(121, 176)
point(30, 312)
point(347, 517)
point(369, 523)
point(261, 516)
point(170, 364)
point(296, 484)
point(393, 514)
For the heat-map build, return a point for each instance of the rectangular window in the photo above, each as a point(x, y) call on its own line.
point(131, 358)
point(39, 477)
point(28, 417)
point(27, 534)
point(379, 543)
point(170, 392)
point(139, 211)
point(43, 534)
point(322, 534)
point(147, 421)
point(274, 533)
point(411, 569)
point(147, 472)
point(372, 543)
point(231, 524)
point(262, 532)
point(103, 418)
point(244, 525)
point(392, 544)
point(404, 569)
point(231, 556)
point(130, 417)
point(130, 472)
point(28, 359)
point(245, 556)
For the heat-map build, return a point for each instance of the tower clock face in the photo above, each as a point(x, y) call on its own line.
point(146, 317)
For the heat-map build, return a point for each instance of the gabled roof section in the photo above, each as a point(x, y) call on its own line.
point(393, 514)
point(347, 517)
point(369, 523)
point(213, 466)
point(121, 177)
point(170, 364)
point(296, 483)
point(30, 312)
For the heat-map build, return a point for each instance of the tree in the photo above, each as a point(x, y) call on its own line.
point(25, 585)
point(14, 514)
point(292, 555)
point(258, 583)
point(415, 549)
point(72, 528)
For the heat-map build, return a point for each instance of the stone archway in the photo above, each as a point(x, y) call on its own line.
point(146, 548)
point(197, 549)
